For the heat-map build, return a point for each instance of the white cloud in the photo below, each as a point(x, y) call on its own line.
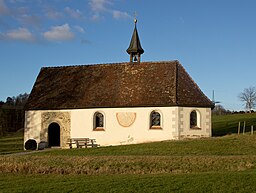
point(3, 8)
point(59, 33)
point(76, 14)
point(96, 17)
point(51, 14)
point(79, 29)
point(21, 34)
point(120, 15)
point(30, 20)
point(99, 5)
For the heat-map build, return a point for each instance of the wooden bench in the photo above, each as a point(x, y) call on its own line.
point(92, 143)
point(70, 142)
point(82, 142)
point(79, 142)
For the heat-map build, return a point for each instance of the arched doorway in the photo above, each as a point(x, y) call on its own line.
point(54, 135)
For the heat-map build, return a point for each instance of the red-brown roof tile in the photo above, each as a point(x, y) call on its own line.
point(147, 84)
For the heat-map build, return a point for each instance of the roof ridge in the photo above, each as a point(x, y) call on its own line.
point(81, 65)
point(121, 63)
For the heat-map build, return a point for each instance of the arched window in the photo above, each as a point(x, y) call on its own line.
point(194, 120)
point(98, 121)
point(155, 120)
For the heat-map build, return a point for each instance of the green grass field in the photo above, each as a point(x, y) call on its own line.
point(228, 124)
point(200, 182)
point(11, 143)
point(217, 164)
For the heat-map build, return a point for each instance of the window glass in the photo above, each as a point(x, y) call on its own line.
point(99, 120)
point(155, 119)
point(193, 119)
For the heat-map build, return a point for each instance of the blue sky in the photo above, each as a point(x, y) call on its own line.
point(215, 40)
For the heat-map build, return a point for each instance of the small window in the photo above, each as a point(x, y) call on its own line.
point(98, 121)
point(155, 120)
point(194, 120)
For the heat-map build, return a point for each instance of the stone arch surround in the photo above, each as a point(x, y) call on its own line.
point(64, 121)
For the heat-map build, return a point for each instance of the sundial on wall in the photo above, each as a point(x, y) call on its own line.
point(126, 119)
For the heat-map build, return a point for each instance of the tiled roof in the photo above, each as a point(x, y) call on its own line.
point(147, 84)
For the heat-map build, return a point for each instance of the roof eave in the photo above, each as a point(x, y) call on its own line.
point(108, 107)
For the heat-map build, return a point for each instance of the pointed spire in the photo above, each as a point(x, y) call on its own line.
point(135, 49)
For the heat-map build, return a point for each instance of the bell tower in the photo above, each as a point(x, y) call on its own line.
point(135, 50)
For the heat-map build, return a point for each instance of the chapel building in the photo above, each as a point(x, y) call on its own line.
point(120, 103)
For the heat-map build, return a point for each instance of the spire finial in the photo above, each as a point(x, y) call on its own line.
point(135, 17)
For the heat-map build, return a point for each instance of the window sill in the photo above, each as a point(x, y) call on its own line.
point(99, 129)
point(156, 128)
point(196, 128)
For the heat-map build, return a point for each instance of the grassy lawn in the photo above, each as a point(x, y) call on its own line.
point(217, 164)
point(227, 145)
point(11, 143)
point(228, 124)
point(201, 182)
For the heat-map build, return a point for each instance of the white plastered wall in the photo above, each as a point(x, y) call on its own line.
point(32, 125)
point(116, 134)
point(175, 124)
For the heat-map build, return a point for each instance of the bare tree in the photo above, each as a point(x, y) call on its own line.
point(248, 96)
